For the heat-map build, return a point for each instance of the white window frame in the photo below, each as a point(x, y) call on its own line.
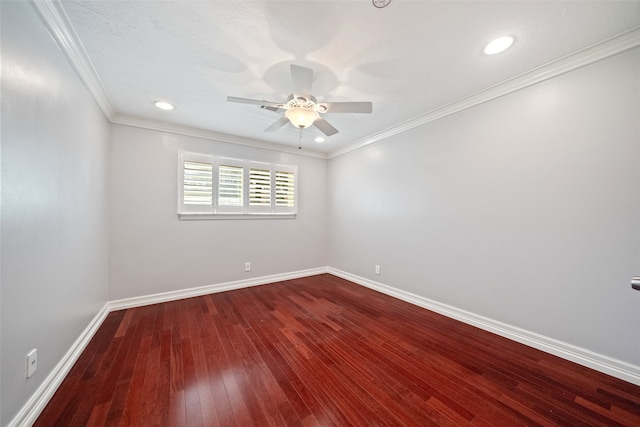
point(284, 168)
point(198, 158)
point(215, 211)
point(217, 162)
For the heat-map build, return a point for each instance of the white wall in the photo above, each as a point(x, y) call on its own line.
point(152, 251)
point(54, 205)
point(525, 210)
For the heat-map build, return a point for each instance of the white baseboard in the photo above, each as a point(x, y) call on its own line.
point(36, 403)
point(210, 289)
point(588, 358)
point(39, 399)
point(616, 368)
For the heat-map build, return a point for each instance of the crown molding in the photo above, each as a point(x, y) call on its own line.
point(123, 119)
point(613, 46)
point(54, 17)
point(57, 22)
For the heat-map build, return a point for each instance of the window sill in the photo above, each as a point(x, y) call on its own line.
point(209, 216)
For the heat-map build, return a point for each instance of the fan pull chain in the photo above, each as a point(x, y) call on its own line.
point(300, 140)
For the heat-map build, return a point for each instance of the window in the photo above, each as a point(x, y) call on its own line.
point(217, 187)
point(285, 188)
point(259, 187)
point(230, 183)
point(198, 183)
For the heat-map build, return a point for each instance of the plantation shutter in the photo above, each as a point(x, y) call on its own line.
point(212, 187)
point(259, 187)
point(230, 185)
point(197, 184)
point(285, 189)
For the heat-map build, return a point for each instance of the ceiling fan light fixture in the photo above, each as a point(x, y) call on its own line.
point(499, 45)
point(302, 109)
point(301, 117)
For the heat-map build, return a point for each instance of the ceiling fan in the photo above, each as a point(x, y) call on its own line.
point(302, 109)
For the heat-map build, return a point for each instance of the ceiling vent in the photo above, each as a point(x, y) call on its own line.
point(380, 3)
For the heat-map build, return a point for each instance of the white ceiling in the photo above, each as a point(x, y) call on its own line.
point(408, 58)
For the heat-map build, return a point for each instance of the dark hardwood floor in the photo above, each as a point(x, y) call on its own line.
point(322, 351)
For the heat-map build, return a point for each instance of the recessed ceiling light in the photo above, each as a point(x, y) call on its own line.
point(163, 105)
point(319, 139)
point(499, 45)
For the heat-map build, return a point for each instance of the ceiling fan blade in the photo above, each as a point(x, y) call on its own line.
point(274, 109)
point(254, 101)
point(302, 78)
point(277, 125)
point(348, 107)
point(325, 127)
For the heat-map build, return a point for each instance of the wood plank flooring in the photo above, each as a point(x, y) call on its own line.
point(321, 351)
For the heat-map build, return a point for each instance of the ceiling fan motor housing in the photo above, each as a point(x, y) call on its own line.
point(302, 102)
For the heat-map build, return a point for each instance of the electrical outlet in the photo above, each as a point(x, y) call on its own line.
point(377, 269)
point(247, 266)
point(32, 362)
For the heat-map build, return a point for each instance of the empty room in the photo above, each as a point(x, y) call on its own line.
point(320, 213)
